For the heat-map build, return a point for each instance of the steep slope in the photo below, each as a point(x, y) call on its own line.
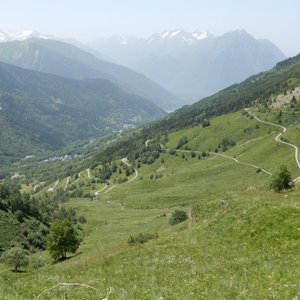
point(63, 59)
point(193, 65)
point(42, 111)
point(258, 89)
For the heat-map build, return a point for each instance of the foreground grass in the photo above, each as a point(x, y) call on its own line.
point(245, 248)
point(248, 248)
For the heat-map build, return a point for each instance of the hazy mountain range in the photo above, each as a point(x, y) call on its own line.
point(63, 93)
point(64, 59)
point(192, 65)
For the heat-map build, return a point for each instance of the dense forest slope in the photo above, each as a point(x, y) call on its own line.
point(40, 111)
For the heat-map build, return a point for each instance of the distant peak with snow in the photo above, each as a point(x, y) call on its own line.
point(189, 38)
point(20, 35)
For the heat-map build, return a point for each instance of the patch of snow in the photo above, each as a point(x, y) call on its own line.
point(20, 35)
point(187, 37)
point(200, 35)
point(165, 35)
point(173, 34)
point(170, 34)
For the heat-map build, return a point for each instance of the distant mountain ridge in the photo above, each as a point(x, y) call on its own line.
point(22, 35)
point(260, 88)
point(41, 111)
point(192, 65)
point(63, 59)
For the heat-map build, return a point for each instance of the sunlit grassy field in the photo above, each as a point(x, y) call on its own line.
point(241, 240)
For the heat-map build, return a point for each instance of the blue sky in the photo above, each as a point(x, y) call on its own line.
point(87, 19)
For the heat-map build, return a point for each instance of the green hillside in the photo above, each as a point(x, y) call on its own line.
point(41, 111)
point(241, 238)
point(261, 88)
point(236, 223)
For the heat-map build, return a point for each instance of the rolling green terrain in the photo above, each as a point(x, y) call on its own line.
point(241, 239)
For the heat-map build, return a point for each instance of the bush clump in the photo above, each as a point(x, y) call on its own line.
point(178, 216)
point(172, 151)
point(142, 238)
point(16, 258)
point(281, 180)
point(184, 140)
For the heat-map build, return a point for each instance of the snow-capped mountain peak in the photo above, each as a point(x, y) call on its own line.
point(170, 34)
point(20, 35)
point(189, 38)
point(200, 35)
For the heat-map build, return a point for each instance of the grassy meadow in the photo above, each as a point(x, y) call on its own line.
point(241, 240)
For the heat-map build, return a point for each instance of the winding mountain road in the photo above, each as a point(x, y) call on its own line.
point(89, 173)
point(278, 138)
point(125, 161)
point(99, 191)
point(79, 175)
point(242, 163)
point(147, 142)
point(54, 186)
point(229, 157)
point(67, 183)
point(105, 190)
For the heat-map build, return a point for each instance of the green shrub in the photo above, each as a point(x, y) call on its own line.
point(281, 180)
point(184, 140)
point(142, 238)
point(15, 257)
point(36, 262)
point(178, 216)
point(205, 123)
point(172, 151)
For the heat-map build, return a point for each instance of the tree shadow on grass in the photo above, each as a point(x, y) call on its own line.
point(19, 271)
point(62, 259)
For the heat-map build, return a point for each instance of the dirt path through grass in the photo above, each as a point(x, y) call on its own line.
point(125, 161)
point(54, 186)
point(229, 157)
point(67, 183)
point(105, 190)
point(278, 137)
point(88, 173)
point(99, 191)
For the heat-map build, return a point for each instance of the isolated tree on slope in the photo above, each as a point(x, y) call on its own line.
point(282, 180)
point(15, 257)
point(61, 239)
